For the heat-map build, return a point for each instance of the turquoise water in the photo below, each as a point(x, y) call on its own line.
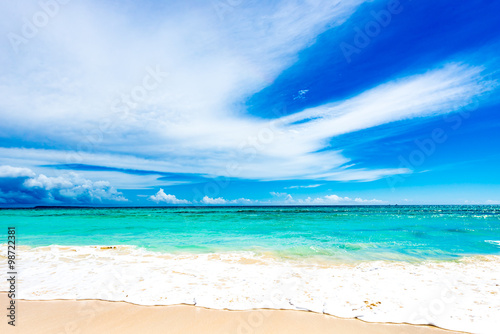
point(333, 233)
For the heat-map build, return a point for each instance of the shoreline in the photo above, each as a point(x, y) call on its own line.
point(101, 316)
point(375, 292)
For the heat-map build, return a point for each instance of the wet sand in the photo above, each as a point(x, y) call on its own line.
point(96, 316)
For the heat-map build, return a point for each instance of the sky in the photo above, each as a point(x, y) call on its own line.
point(241, 102)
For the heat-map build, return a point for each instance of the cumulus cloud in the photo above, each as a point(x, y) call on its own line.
point(285, 198)
point(9, 171)
point(221, 201)
point(335, 199)
point(211, 201)
point(23, 186)
point(167, 198)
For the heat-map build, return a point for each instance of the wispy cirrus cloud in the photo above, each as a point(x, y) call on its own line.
point(304, 187)
point(207, 68)
point(296, 149)
point(85, 100)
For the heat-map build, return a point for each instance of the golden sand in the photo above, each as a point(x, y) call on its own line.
point(96, 316)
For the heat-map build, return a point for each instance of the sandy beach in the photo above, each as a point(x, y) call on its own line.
point(456, 295)
point(95, 316)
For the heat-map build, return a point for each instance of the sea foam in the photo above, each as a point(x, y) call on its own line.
point(460, 295)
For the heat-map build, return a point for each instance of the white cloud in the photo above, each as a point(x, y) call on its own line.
point(361, 174)
point(160, 196)
point(278, 194)
point(293, 151)
point(492, 202)
point(212, 201)
point(307, 186)
point(72, 186)
point(243, 201)
point(369, 201)
point(221, 201)
point(26, 187)
point(49, 183)
point(65, 83)
point(9, 171)
point(335, 199)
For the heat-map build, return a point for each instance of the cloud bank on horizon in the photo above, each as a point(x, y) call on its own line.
point(306, 96)
point(23, 186)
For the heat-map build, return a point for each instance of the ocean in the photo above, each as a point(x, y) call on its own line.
point(415, 264)
point(340, 233)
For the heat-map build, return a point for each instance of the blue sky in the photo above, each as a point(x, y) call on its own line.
point(249, 102)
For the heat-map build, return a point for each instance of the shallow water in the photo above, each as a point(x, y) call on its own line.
point(331, 233)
